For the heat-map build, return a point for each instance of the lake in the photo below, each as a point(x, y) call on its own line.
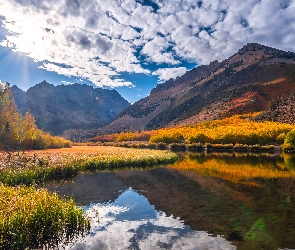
point(204, 201)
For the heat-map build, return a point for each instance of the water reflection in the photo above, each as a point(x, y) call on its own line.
point(131, 222)
point(248, 199)
point(238, 167)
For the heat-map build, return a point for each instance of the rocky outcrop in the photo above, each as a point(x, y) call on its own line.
point(281, 110)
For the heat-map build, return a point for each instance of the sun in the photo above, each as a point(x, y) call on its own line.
point(32, 41)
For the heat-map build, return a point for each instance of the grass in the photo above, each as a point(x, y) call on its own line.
point(57, 164)
point(34, 218)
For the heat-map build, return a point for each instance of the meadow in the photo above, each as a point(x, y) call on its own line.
point(39, 166)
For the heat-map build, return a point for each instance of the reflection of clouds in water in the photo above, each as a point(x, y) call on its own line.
point(131, 222)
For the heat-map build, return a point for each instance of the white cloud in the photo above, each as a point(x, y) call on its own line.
point(100, 39)
point(67, 83)
point(167, 73)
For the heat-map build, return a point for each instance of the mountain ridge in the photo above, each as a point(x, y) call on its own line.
point(245, 82)
point(62, 107)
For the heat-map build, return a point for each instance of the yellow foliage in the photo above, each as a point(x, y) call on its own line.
point(18, 132)
point(236, 129)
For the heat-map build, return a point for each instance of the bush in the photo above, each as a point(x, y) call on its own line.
point(290, 138)
point(198, 138)
point(177, 146)
point(281, 138)
point(254, 148)
point(196, 147)
point(225, 147)
point(164, 137)
point(267, 148)
point(241, 147)
point(151, 145)
point(288, 148)
point(161, 145)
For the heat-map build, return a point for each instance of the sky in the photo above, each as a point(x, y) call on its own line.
point(131, 45)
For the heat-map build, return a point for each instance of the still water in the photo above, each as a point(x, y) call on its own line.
point(205, 201)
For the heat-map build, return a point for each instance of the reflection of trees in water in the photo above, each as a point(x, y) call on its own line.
point(254, 213)
point(289, 161)
point(238, 167)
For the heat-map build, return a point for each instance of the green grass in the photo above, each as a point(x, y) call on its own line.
point(35, 218)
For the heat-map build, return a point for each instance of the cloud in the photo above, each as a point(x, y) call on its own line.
point(100, 40)
point(67, 83)
point(167, 73)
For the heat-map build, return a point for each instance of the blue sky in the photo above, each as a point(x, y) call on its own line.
point(131, 45)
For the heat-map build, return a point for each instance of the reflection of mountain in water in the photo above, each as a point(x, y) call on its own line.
point(131, 222)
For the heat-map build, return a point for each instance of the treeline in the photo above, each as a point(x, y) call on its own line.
point(19, 132)
point(238, 129)
point(124, 136)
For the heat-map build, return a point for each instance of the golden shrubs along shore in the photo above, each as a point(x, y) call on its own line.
point(239, 129)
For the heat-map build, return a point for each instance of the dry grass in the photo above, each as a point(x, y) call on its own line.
point(37, 166)
point(35, 218)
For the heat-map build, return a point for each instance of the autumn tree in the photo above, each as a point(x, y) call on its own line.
point(21, 132)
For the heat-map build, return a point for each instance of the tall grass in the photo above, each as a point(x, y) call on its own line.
point(42, 166)
point(34, 218)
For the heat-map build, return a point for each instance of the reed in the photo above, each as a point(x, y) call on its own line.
point(130, 158)
point(33, 218)
point(49, 165)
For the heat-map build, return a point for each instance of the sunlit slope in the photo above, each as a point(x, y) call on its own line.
point(246, 82)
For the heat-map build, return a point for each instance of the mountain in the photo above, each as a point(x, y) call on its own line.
point(57, 108)
point(246, 82)
point(281, 110)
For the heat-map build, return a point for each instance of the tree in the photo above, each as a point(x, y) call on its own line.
point(18, 132)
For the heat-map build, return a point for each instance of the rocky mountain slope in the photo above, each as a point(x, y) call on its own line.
point(281, 110)
point(245, 82)
point(57, 108)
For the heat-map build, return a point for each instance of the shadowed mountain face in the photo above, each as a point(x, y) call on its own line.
point(57, 108)
point(245, 82)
